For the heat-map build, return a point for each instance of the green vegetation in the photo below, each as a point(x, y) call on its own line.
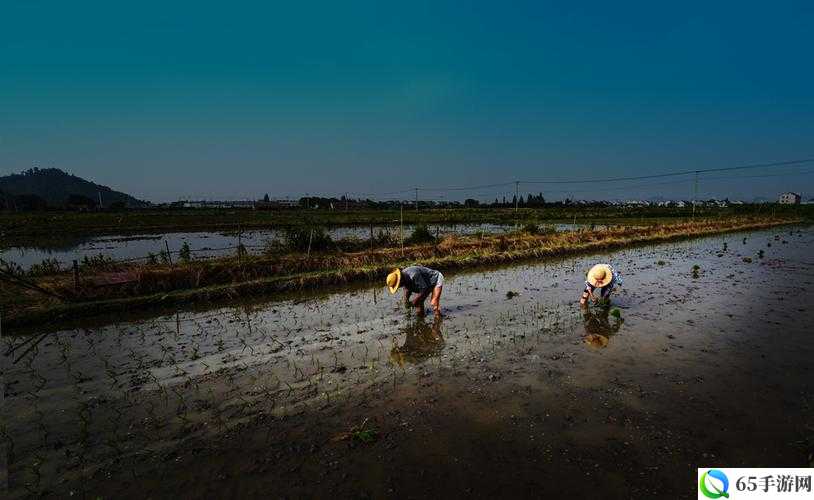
point(142, 285)
point(420, 235)
point(19, 225)
point(305, 238)
point(185, 254)
point(39, 188)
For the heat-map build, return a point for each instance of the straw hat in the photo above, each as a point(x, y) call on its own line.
point(393, 280)
point(600, 275)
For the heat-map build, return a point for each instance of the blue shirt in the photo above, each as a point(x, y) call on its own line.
point(418, 279)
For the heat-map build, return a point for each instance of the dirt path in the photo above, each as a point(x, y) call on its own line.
point(517, 397)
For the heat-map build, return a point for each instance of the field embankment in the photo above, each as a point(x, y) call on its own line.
point(17, 227)
point(111, 287)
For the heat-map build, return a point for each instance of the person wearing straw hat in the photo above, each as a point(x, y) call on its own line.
point(603, 277)
point(418, 280)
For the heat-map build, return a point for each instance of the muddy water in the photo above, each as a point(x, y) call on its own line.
point(501, 396)
point(204, 244)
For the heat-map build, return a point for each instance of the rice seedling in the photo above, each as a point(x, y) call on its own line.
point(421, 234)
point(305, 237)
point(222, 277)
point(185, 253)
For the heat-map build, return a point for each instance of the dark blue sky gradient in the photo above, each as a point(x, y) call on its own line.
point(233, 100)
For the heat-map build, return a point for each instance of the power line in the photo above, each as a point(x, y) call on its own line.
point(614, 179)
point(519, 183)
point(675, 174)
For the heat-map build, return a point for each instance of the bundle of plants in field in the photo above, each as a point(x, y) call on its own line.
point(11, 268)
point(46, 267)
point(185, 254)
point(98, 262)
point(301, 238)
point(532, 228)
point(421, 234)
point(385, 238)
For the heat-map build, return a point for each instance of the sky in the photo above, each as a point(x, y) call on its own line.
point(190, 100)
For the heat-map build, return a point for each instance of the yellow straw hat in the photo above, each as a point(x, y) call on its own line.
point(600, 275)
point(393, 280)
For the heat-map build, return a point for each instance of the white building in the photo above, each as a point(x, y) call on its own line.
point(789, 199)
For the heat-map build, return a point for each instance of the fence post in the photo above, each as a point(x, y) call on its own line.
point(169, 255)
point(239, 245)
point(75, 275)
point(401, 227)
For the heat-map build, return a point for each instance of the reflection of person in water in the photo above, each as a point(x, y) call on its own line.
point(598, 327)
point(423, 341)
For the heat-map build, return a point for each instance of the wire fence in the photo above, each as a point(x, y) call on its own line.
point(391, 235)
point(621, 184)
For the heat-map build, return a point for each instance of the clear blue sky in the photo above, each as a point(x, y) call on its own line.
point(233, 100)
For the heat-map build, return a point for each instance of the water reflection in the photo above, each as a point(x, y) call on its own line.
point(423, 341)
point(598, 326)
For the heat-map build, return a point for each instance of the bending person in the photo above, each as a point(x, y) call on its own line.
point(602, 277)
point(421, 281)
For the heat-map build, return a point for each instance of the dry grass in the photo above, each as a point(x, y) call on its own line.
point(229, 277)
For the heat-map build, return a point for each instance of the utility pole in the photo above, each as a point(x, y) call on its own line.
point(416, 199)
point(516, 194)
point(401, 227)
point(100, 200)
point(694, 194)
point(346, 202)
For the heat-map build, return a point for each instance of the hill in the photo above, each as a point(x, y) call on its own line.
point(59, 189)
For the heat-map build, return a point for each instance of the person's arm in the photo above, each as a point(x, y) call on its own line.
point(407, 294)
point(586, 294)
point(419, 299)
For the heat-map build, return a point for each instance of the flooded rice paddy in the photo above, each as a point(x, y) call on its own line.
point(507, 394)
point(204, 244)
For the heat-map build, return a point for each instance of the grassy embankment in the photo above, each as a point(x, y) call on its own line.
point(159, 285)
point(19, 227)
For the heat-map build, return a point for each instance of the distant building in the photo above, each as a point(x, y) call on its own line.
point(276, 203)
point(789, 199)
point(219, 204)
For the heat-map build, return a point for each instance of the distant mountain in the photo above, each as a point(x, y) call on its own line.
point(58, 189)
